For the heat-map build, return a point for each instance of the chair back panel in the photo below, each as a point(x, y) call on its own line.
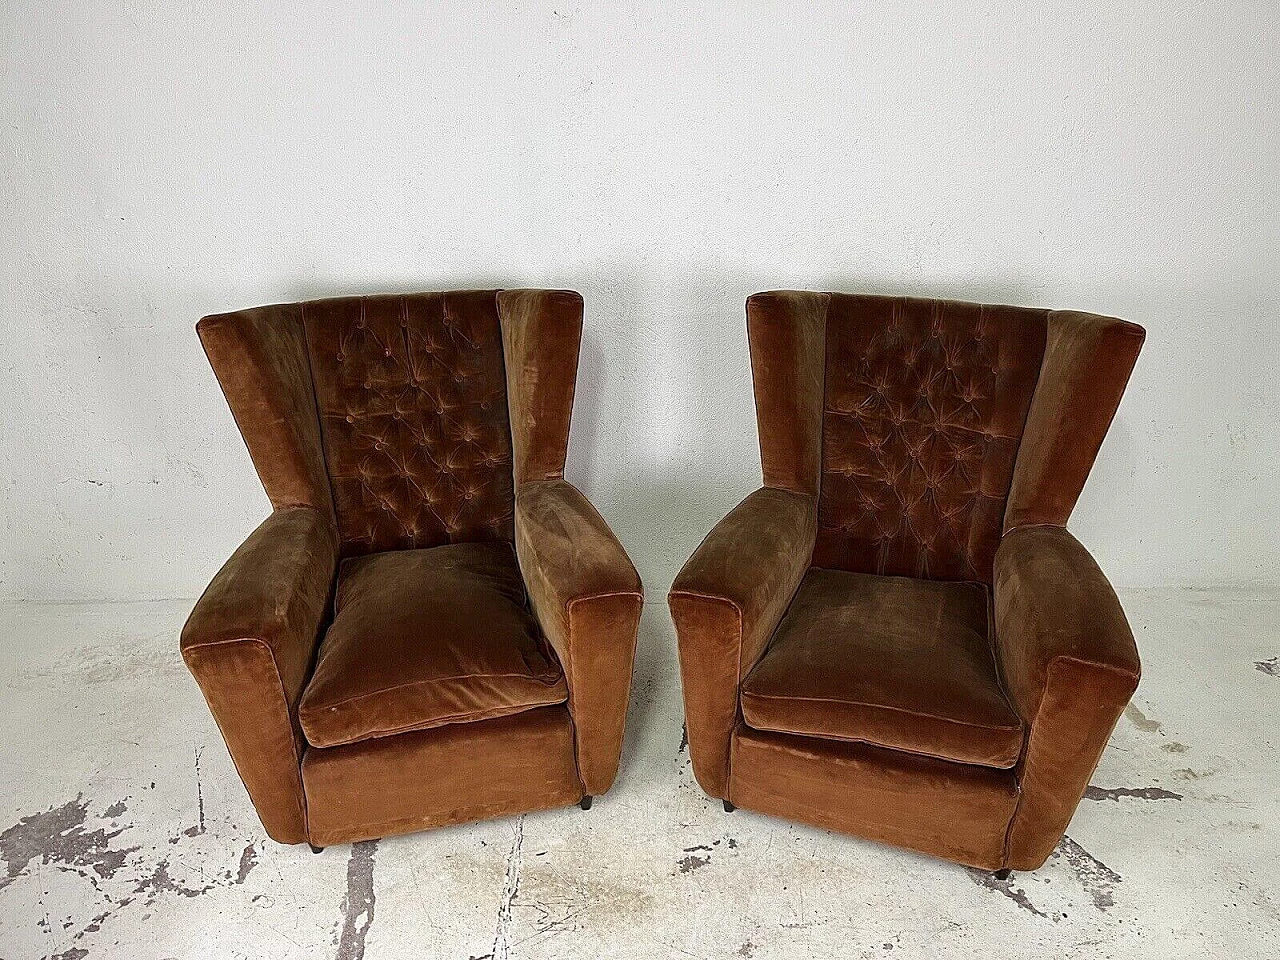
point(412, 398)
point(924, 407)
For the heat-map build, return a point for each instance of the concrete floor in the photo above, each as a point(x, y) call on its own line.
point(125, 832)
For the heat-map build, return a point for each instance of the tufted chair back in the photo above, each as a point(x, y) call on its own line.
point(390, 413)
point(906, 418)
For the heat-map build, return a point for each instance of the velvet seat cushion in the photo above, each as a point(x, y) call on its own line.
point(423, 638)
point(889, 661)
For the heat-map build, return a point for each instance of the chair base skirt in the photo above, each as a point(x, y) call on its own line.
point(448, 775)
point(950, 810)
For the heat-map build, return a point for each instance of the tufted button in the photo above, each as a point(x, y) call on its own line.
point(350, 418)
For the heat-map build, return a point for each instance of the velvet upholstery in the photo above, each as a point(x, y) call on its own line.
point(954, 810)
point(541, 332)
point(895, 636)
point(588, 598)
point(407, 642)
point(726, 603)
point(440, 777)
point(412, 400)
point(250, 641)
point(786, 334)
point(1071, 665)
point(1086, 367)
point(925, 402)
point(889, 661)
point(421, 638)
point(260, 359)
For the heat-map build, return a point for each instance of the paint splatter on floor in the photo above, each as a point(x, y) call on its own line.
point(58, 837)
point(1098, 880)
point(1008, 888)
point(358, 905)
point(1138, 793)
point(121, 876)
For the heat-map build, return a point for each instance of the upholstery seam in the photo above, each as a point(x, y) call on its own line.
point(697, 595)
point(301, 799)
point(1017, 454)
point(568, 606)
point(418, 683)
point(320, 427)
point(627, 691)
point(737, 687)
point(993, 649)
point(506, 396)
point(573, 395)
point(822, 438)
point(573, 739)
point(451, 720)
point(602, 595)
point(882, 706)
point(982, 585)
point(1033, 526)
point(977, 765)
point(1020, 768)
point(1109, 667)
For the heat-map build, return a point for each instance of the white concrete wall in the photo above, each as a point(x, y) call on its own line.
point(163, 160)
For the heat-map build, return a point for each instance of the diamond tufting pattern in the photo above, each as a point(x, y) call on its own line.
point(924, 405)
point(411, 392)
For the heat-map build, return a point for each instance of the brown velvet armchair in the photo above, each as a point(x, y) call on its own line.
point(897, 637)
point(432, 626)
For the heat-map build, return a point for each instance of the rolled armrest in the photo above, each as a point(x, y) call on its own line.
point(726, 603)
point(588, 599)
point(249, 643)
point(1070, 664)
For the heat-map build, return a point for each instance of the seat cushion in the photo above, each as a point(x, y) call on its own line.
point(421, 638)
point(888, 661)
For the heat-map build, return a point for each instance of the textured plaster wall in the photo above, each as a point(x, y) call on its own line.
point(159, 161)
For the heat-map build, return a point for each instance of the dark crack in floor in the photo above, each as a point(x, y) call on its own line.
point(510, 891)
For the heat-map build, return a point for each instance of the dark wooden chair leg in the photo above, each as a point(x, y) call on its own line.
point(585, 802)
point(729, 807)
point(315, 849)
point(1004, 874)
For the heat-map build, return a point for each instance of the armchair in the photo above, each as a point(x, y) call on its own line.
point(896, 636)
point(432, 626)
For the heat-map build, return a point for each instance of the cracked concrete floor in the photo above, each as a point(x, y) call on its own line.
point(124, 831)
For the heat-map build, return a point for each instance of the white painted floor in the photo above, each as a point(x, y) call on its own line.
point(125, 833)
